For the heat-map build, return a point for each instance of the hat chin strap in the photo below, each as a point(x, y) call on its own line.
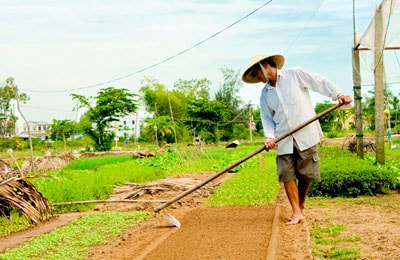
point(264, 71)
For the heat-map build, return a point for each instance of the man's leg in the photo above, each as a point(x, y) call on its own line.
point(292, 193)
point(303, 189)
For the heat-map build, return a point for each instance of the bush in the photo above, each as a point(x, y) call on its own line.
point(332, 134)
point(339, 178)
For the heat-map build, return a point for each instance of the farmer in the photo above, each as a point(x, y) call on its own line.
point(285, 103)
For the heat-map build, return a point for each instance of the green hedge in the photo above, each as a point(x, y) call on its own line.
point(348, 176)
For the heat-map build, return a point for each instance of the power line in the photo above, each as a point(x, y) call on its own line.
point(397, 58)
point(162, 61)
point(46, 109)
point(305, 26)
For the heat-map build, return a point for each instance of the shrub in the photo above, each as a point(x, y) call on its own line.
point(331, 134)
point(341, 178)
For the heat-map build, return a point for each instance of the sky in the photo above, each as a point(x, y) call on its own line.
point(55, 48)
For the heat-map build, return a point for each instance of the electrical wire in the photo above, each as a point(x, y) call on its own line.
point(397, 58)
point(160, 62)
point(305, 26)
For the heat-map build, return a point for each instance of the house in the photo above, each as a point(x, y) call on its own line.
point(127, 126)
point(38, 129)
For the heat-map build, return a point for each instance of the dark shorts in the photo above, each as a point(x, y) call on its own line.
point(301, 165)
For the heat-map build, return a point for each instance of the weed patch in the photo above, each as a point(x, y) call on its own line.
point(329, 242)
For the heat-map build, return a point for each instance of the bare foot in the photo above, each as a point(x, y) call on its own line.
point(302, 218)
point(295, 219)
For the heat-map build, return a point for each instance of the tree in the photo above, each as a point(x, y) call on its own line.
point(257, 120)
point(327, 122)
point(158, 100)
point(62, 129)
point(110, 105)
point(174, 103)
point(205, 118)
point(228, 94)
point(395, 103)
point(8, 93)
point(193, 89)
point(159, 129)
point(189, 106)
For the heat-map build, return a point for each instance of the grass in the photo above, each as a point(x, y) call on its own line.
point(328, 242)
point(96, 162)
point(250, 186)
point(75, 240)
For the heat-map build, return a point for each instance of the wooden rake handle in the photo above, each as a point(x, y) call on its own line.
point(233, 165)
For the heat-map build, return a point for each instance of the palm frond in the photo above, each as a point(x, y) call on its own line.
point(20, 194)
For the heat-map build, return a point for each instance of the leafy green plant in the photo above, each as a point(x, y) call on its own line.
point(254, 184)
point(74, 240)
point(18, 223)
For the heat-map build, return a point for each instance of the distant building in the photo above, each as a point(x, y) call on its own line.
point(38, 129)
point(128, 126)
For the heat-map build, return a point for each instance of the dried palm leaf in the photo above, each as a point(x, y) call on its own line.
point(19, 194)
point(46, 163)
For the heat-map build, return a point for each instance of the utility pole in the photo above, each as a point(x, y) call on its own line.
point(155, 125)
point(155, 132)
point(172, 118)
point(357, 93)
point(379, 72)
point(250, 123)
point(357, 103)
point(136, 127)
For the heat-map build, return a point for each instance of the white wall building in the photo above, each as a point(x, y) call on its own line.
point(38, 129)
point(128, 126)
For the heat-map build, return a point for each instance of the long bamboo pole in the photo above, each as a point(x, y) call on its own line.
point(379, 72)
point(106, 201)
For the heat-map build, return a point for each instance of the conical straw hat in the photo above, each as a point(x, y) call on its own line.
point(277, 58)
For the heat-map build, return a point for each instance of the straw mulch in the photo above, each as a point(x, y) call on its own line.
point(19, 194)
point(350, 143)
point(46, 163)
point(135, 154)
point(167, 188)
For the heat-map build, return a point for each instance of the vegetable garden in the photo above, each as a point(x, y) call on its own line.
point(251, 184)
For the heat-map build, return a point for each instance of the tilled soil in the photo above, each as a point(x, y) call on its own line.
point(258, 232)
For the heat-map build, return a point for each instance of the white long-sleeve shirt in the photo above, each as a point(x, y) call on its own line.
point(288, 105)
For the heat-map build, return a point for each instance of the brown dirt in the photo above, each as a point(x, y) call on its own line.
point(245, 232)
